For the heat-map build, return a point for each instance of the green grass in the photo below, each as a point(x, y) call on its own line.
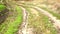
point(52, 12)
point(12, 27)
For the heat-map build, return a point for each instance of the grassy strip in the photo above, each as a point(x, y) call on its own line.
point(52, 12)
point(13, 26)
point(46, 25)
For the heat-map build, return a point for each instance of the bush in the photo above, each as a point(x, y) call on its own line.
point(2, 7)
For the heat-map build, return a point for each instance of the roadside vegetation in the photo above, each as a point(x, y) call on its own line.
point(13, 25)
point(14, 19)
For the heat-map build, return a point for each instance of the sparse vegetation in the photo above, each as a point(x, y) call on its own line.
point(40, 23)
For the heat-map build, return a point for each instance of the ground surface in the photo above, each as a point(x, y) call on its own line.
point(29, 17)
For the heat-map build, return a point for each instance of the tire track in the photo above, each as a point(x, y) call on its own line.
point(56, 23)
point(24, 23)
point(24, 26)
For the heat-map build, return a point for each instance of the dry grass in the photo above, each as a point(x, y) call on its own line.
point(40, 23)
